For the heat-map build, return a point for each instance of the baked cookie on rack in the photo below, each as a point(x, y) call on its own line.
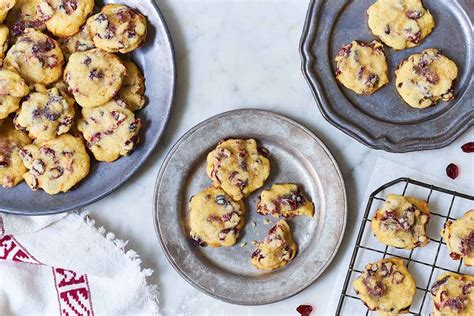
point(66, 17)
point(276, 250)
point(215, 219)
point(11, 165)
point(118, 28)
point(12, 89)
point(284, 200)
point(386, 286)
point(459, 238)
point(238, 166)
point(55, 165)
point(362, 67)
point(133, 87)
point(453, 294)
point(400, 23)
point(424, 79)
point(401, 222)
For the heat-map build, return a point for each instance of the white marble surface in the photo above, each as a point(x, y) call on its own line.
point(239, 54)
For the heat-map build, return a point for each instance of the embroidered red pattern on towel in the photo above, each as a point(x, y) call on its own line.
point(73, 291)
point(11, 249)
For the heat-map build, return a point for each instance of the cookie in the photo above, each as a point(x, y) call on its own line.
point(238, 166)
point(11, 165)
point(27, 14)
point(3, 42)
point(453, 294)
point(401, 222)
point(284, 200)
point(94, 77)
point(425, 78)
point(36, 57)
point(110, 130)
point(66, 17)
point(45, 114)
point(386, 286)
point(79, 42)
point(214, 218)
point(133, 87)
point(459, 238)
point(400, 23)
point(12, 89)
point(55, 165)
point(276, 250)
point(362, 67)
point(5, 6)
point(118, 28)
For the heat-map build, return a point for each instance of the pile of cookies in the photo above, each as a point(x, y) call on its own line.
point(388, 287)
point(63, 88)
point(421, 80)
point(237, 168)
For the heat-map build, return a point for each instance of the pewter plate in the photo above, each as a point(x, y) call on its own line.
point(296, 156)
point(156, 60)
point(383, 120)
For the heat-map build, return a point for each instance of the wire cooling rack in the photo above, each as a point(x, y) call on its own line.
point(425, 263)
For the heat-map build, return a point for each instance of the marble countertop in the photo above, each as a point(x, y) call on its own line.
point(244, 54)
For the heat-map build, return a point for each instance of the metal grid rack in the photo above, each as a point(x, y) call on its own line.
point(407, 255)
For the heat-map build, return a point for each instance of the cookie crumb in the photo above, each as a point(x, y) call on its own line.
point(254, 242)
point(243, 244)
point(254, 224)
point(266, 221)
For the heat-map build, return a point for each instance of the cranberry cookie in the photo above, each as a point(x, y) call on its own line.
point(79, 42)
point(12, 89)
point(276, 250)
point(110, 130)
point(55, 165)
point(94, 77)
point(400, 23)
point(45, 114)
point(238, 166)
point(362, 67)
point(3, 42)
point(401, 222)
point(67, 16)
point(133, 87)
point(386, 286)
point(425, 78)
point(5, 6)
point(215, 219)
point(118, 28)
point(459, 238)
point(284, 200)
point(27, 14)
point(36, 57)
point(453, 294)
point(11, 166)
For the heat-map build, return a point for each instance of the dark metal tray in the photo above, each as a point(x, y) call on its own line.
point(383, 120)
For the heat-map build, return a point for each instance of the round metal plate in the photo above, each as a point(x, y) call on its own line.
point(156, 60)
point(383, 120)
point(296, 156)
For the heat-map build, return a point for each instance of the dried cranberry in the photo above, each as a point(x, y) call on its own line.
point(56, 172)
point(101, 17)
point(455, 303)
point(96, 74)
point(304, 310)
point(345, 51)
point(437, 284)
point(372, 80)
point(454, 256)
point(68, 6)
point(387, 29)
point(360, 72)
point(468, 147)
point(197, 241)
point(87, 60)
point(415, 38)
point(413, 14)
point(42, 47)
point(452, 171)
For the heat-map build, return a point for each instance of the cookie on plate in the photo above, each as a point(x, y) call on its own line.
point(362, 67)
point(3, 41)
point(133, 87)
point(67, 17)
point(12, 89)
point(400, 23)
point(55, 165)
point(238, 166)
point(425, 78)
point(214, 218)
point(94, 77)
point(276, 250)
point(453, 294)
point(284, 200)
point(5, 6)
point(401, 222)
point(36, 57)
point(11, 165)
point(118, 28)
point(45, 114)
point(459, 238)
point(110, 130)
point(79, 42)
point(386, 286)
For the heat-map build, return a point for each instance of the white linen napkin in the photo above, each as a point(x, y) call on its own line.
point(64, 265)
